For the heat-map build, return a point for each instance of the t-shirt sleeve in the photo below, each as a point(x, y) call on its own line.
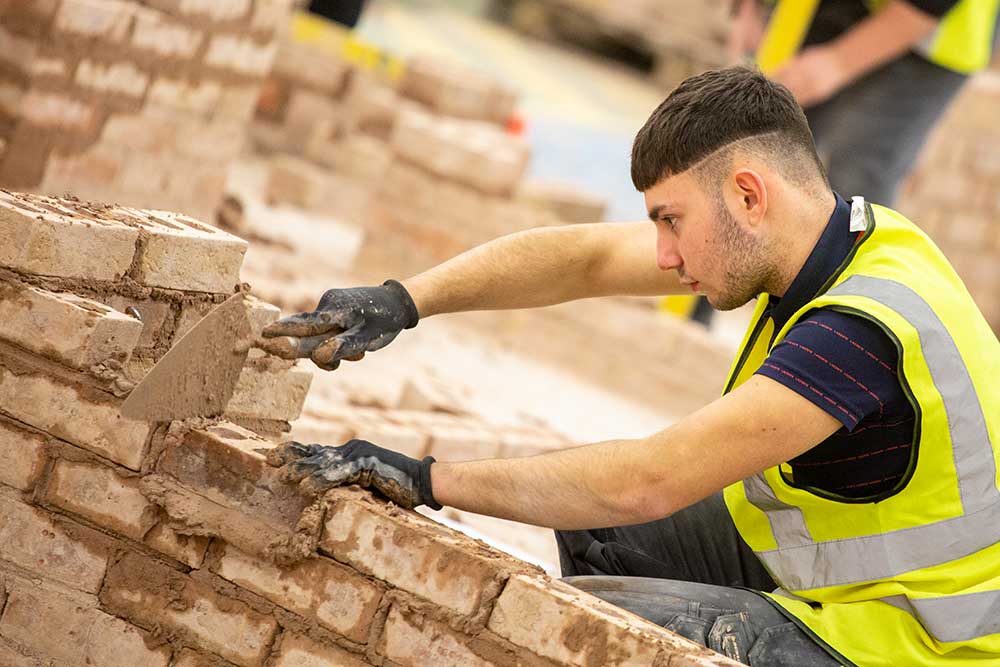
point(843, 363)
point(934, 7)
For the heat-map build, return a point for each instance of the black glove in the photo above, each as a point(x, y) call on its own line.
point(401, 479)
point(346, 324)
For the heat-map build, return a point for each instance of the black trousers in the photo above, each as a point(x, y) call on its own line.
point(690, 573)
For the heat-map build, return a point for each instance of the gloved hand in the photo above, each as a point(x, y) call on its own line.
point(346, 324)
point(403, 480)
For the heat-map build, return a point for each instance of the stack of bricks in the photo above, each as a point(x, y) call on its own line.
point(130, 543)
point(682, 38)
point(424, 164)
point(953, 191)
point(143, 102)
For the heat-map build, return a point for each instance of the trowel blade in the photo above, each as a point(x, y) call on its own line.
point(197, 376)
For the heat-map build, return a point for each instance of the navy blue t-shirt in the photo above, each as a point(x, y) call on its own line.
point(847, 365)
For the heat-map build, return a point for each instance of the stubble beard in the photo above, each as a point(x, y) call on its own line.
point(748, 263)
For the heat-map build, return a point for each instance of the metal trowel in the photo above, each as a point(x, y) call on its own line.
point(197, 376)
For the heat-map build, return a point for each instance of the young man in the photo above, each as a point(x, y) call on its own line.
point(856, 442)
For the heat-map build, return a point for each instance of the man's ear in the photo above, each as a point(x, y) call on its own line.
point(751, 196)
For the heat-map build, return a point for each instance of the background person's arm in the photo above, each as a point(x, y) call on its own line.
point(820, 71)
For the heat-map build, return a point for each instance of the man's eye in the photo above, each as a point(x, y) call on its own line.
point(668, 221)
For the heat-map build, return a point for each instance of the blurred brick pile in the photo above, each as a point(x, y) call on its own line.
point(143, 102)
point(425, 165)
point(954, 191)
point(129, 543)
point(682, 38)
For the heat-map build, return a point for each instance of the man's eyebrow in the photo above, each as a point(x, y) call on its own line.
point(654, 213)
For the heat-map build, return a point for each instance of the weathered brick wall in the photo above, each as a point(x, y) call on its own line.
point(143, 102)
point(127, 543)
point(954, 191)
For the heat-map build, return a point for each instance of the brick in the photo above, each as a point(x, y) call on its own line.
point(295, 61)
point(457, 91)
point(33, 540)
point(199, 97)
point(100, 494)
point(216, 482)
point(189, 658)
point(107, 20)
point(23, 454)
point(165, 38)
point(406, 440)
point(123, 78)
point(269, 394)
point(371, 107)
point(237, 103)
point(362, 157)
point(184, 254)
point(56, 111)
point(413, 641)
point(241, 54)
point(432, 394)
point(191, 314)
point(464, 444)
point(91, 173)
point(297, 182)
point(300, 651)
point(313, 430)
point(566, 202)
point(76, 331)
point(153, 595)
point(13, 657)
point(74, 414)
point(216, 10)
point(154, 314)
point(414, 553)
point(69, 245)
point(564, 624)
point(188, 549)
point(215, 141)
point(318, 588)
point(69, 629)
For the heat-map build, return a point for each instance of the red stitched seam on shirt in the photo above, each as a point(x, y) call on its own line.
point(814, 389)
point(865, 428)
point(854, 458)
point(881, 405)
point(877, 481)
point(852, 342)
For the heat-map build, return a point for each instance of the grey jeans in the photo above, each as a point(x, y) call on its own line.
point(693, 574)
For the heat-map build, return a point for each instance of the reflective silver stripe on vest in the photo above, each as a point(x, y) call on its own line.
point(818, 564)
point(787, 522)
point(954, 618)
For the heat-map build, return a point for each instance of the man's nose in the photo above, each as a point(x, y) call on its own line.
point(667, 256)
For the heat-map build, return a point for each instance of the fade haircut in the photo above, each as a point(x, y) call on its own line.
point(709, 114)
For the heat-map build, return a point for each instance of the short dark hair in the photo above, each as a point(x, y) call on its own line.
point(712, 110)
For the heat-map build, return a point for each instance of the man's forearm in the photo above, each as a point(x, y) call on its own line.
point(545, 266)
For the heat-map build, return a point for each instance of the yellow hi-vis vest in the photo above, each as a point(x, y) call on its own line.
point(962, 41)
point(912, 580)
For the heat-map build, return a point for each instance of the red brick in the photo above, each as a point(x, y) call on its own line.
point(318, 588)
point(155, 315)
point(215, 481)
point(300, 651)
point(100, 494)
point(68, 628)
point(107, 20)
point(241, 54)
point(268, 394)
point(67, 244)
point(30, 538)
point(122, 78)
point(199, 97)
point(184, 254)
point(413, 641)
point(23, 455)
point(164, 37)
point(188, 549)
point(414, 553)
point(14, 657)
point(62, 326)
point(152, 595)
point(70, 413)
point(564, 624)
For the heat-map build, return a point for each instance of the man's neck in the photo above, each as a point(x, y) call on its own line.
point(803, 220)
